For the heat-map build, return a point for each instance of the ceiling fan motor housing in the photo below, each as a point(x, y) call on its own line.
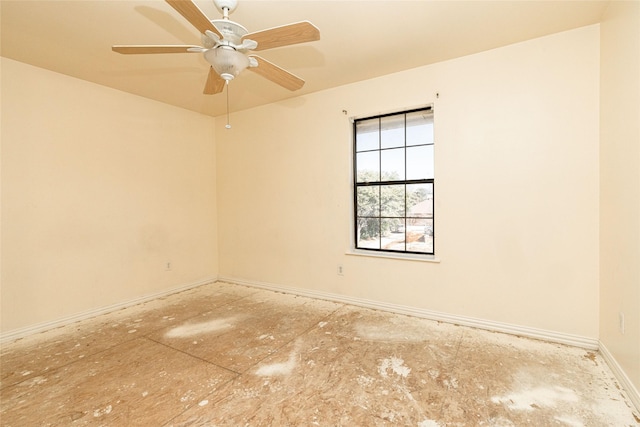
point(231, 31)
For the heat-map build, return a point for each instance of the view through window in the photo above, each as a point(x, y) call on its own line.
point(394, 182)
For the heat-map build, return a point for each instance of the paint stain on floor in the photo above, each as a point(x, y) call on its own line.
point(229, 355)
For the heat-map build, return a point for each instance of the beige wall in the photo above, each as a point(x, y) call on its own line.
point(99, 190)
point(517, 176)
point(620, 185)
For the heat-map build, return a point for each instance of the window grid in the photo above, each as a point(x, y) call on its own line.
point(383, 223)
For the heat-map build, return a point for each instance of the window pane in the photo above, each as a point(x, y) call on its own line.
point(420, 200)
point(393, 236)
point(369, 201)
point(392, 200)
point(367, 134)
point(368, 233)
point(392, 164)
point(420, 162)
point(368, 164)
point(420, 235)
point(392, 131)
point(420, 128)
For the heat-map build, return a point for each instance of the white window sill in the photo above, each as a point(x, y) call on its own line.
point(400, 256)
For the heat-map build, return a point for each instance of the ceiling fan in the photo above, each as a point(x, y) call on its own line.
point(226, 45)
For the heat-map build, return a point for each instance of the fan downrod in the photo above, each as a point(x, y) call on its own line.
point(226, 6)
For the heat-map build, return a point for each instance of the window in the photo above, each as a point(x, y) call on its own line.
point(394, 182)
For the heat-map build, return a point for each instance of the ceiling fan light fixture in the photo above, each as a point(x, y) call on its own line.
point(226, 46)
point(227, 61)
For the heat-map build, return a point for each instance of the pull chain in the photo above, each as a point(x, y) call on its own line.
point(228, 125)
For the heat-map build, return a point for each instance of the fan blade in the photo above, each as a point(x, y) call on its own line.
point(153, 49)
point(299, 32)
point(276, 74)
point(194, 15)
point(214, 84)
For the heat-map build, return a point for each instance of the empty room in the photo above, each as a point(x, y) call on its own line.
point(320, 213)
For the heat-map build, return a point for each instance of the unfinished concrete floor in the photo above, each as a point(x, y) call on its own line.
point(228, 355)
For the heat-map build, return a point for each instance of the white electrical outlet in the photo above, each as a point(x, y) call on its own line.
point(340, 270)
point(621, 322)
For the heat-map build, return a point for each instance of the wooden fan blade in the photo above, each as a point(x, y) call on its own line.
point(299, 32)
point(214, 84)
point(276, 74)
point(194, 15)
point(152, 49)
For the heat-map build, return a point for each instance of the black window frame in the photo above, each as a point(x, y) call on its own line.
point(382, 183)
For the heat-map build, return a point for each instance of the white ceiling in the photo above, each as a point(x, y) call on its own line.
point(360, 39)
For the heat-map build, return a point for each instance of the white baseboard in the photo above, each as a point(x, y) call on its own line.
point(523, 331)
point(621, 376)
point(41, 327)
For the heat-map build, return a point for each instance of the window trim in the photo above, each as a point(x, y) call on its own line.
point(379, 252)
point(402, 256)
